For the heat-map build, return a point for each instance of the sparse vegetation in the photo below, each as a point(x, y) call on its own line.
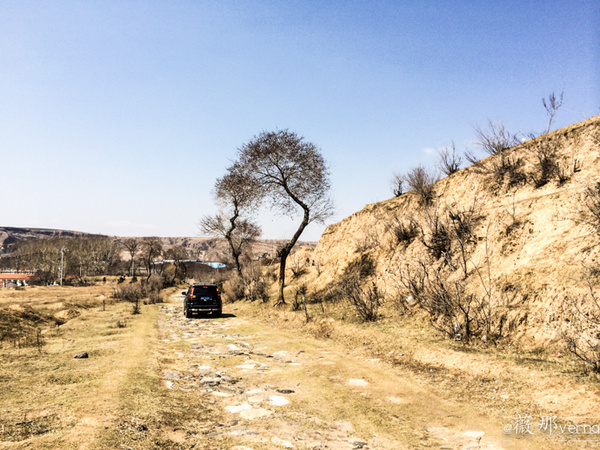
point(454, 311)
point(496, 139)
point(420, 181)
point(449, 162)
point(581, 329)
point(404, 232)
point(397, 185)
point(435, 235)
point(506, 168)
point(589, 211)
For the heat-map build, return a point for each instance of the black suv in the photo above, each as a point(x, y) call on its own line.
point(202, 298)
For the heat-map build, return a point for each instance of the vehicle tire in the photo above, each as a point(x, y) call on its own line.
point(218, 313)
point(187, 314)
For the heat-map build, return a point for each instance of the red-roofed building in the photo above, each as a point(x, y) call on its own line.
point(14, 278)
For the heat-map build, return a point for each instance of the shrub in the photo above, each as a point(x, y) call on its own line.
point(397, 185)
point(404, 232)
point(581, 329)
point(496, 139)
point(421, 182)
point(436, 236)
point(365, 299)
point(547, 166)
point(449, 161)
point(589, 211)
point(451, 309)
point(132, 293)
point(233, 289)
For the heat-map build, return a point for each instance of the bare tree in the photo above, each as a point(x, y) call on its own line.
point(151, 248)
point(397, 185)
point(177, 254)
point(551, 106)
point(546, 150)
point(292, 174)
point(237, 195)
point(132, 245)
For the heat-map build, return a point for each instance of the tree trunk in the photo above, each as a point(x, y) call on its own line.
point(286, 250)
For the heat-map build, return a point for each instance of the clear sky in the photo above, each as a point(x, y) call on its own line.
point(116, 117)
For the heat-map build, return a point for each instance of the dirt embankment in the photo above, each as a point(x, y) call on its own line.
point(528, 237)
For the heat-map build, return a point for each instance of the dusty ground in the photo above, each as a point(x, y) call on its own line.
point(260, 378)
point(276, 387)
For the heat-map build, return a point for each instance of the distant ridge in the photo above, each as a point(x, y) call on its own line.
point(200, 247)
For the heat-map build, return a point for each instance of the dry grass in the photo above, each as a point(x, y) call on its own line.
point(113, 398)
point(496, 382)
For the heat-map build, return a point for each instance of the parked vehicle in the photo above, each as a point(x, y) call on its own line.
point(202, 298)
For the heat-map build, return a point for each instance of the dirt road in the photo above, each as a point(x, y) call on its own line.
point(269, 387)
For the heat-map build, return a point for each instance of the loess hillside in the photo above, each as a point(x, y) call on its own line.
point(529, 249)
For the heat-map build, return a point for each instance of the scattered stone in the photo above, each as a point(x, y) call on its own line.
point(221, 394)
point(81, 355)
point(171, 375)
point(279, 441)
point(238, 408)
point(278, 400)
point(241, 431)
point(210, 381)
point(358, 382)
point(473, 434)
point(359, 444)
point(255, 391)
point(257, 413)
point(285, 391)
point(247, 366)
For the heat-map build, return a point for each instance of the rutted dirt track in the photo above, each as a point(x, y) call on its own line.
point(273, 388)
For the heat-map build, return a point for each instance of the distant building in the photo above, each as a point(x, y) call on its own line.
point(14, 279)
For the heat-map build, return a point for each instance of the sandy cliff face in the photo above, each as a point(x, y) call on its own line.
point(529, 238)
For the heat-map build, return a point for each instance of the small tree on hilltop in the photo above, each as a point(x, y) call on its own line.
point(292, 174)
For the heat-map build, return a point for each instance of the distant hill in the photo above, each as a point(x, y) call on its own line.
point(203, 248)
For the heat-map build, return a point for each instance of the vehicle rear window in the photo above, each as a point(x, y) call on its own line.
point(208, 291)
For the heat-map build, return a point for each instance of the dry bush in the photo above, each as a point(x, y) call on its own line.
point(461, 227)
point(547, 165)
point(449, 162)
point(320, 328)
point(365, 299)
point(452, 310)
point(154, 297)
point(369, 240)
point(397, 185)
point(435, 235)
point(496, 139)
point(363, 267)
point(506, 168)
point(132, 292)
point(356, 287)
point(252, 285)
point(233, 289)
point(404, 231)
point(589, 211)
point(420, 181)
point(581, 330)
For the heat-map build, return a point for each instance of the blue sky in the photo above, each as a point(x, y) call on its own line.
point(117, 117)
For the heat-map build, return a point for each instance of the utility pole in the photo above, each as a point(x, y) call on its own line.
point(62, 263)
